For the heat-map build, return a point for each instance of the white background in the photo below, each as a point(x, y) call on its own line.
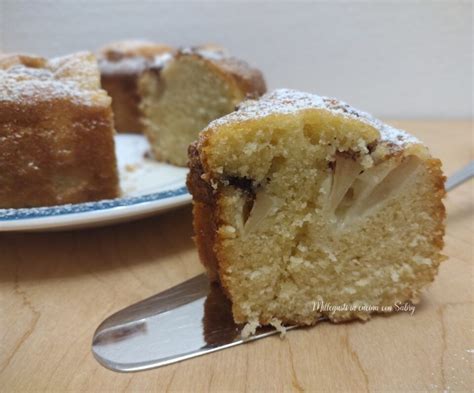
point(397, 59)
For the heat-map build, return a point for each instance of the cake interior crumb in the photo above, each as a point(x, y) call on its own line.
point(326, 219)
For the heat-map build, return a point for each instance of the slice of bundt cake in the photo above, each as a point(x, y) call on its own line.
point(306, 207)
point(121, 63)
point(181, 94)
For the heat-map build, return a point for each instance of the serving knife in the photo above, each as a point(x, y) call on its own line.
point(188, 320)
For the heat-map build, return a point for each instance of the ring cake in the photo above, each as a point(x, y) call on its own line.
point(56, 132)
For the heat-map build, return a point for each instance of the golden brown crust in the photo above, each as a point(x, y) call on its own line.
point(8, 60)
point(439, 210)
point(63, 128)
point(205, 217)
point(204, 213)
point(121, 64)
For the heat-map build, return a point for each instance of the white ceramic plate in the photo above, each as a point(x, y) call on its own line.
point(148, 187)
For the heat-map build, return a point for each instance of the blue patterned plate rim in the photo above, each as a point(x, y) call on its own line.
point(60, 210)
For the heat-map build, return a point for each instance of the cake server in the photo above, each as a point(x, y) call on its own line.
point(188, 320)
point(461, 176)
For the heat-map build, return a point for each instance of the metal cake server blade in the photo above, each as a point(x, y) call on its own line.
point(459, 177)
point(188, 320)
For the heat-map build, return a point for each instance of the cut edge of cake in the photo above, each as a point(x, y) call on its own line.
point(121, 64)
point(182, 92)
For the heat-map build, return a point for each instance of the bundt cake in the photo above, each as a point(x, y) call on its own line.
point(56, 132)
point(306, 207)
point(120, 64)
point(182, 93)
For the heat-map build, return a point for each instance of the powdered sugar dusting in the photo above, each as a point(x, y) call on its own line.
point(207, 51)
point(74, 78)
point(128, 65)
point(287, 101)
point(161, 60)
point(30, 91)
point(130, 57)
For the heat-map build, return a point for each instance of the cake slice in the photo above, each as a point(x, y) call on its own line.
point(121, 63)
point(56, 132)
point(181, 94)
point(306, 207)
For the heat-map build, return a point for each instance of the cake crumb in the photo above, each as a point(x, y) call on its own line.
point(249, 329)
point(276, 323)
point(131, 167)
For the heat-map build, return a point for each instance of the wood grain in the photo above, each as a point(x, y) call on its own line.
point(55, 288)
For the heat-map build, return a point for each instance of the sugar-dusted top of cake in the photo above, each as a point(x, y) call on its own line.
point(26, 79)
point(209, 51)
point(130, 56)
point(287, 101)
point(133, 48)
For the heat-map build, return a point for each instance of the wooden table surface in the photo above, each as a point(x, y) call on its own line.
point(55, 288)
